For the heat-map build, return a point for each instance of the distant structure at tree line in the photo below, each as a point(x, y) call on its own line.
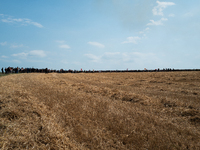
point(46, 70)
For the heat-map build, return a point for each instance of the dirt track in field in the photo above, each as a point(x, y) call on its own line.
point(158, 110)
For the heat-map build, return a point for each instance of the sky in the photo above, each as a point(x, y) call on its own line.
point(100, 34)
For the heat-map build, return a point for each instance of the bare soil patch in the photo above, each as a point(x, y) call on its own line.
point(146, 110)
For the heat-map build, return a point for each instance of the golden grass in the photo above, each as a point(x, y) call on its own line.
point(158, 110)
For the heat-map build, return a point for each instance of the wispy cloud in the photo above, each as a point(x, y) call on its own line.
point(171, 15)
point(64, 46)
point(36, 53)
point(16, 46)
point(93, 57)
point(20, 55)
point(111, 53)
point(3, 43)
point(158, 10)
point(145, 30)
point(189, 14)
point(22, 21)
point(137, 58)
point(157, 23)
point(112, 56)
point(16, 61)
point(3, 56)
point(96, 44)
point(137, 55)
point(132, 40)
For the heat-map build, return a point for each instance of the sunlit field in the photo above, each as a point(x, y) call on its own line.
point(146, 110)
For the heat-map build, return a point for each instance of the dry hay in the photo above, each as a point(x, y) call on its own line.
point(100, 111)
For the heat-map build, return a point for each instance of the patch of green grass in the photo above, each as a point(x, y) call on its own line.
point(1, 74)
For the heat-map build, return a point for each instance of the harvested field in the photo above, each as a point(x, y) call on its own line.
point(147, 110)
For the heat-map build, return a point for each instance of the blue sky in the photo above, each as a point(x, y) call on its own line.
point(100, 34)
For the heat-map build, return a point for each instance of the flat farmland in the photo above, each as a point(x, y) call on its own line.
point(146, 110)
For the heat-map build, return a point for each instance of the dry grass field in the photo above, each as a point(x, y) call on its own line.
point(147, 110)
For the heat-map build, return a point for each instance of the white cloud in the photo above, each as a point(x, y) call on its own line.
point(3, 43)
point(111, 56)
point(18, 20)
point(158, 10)
point(16, 61)
point(3, 56)
point(189, 14)
point(37, 24)
point(132, 40)
point(157, 23)
point(64, 46)
point(16, 46)
point(106, 55)
point(23, 55)
point(37, 53)
point(22, 21)
point(96, 44)
point(93, 57)
point(134, 58)
point(111, 53)
point(29, 21)
point(171, 15)
point(139, 58)
point(6, 20)
point(141, 32)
